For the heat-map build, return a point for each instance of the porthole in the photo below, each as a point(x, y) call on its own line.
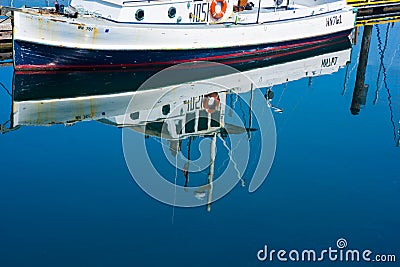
point(134, 116)
point(139, 14)
point(166, 109)
point(171, 12)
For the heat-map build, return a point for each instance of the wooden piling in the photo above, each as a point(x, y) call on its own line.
point(360, 89)
point(5, 34)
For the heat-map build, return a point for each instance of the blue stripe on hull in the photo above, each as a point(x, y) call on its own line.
point(32, 56)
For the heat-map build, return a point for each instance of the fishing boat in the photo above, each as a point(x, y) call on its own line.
point(108, 34)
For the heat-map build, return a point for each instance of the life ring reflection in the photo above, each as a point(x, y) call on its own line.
point(211, 102)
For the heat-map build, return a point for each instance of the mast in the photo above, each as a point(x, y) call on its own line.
point(186, 166)
point(211, 173)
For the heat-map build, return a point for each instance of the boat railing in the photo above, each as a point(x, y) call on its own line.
point(308, 3)
point(143, 1)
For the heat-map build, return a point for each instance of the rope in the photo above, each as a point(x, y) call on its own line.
point(382, 55)
point(4, 129)
point(8, 92)
point(230, 152)
point(1, 21)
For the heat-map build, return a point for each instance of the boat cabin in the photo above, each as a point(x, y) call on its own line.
point(171, 11)
point(198, 116)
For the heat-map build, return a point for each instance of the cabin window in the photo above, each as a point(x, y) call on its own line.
point(134, 116)
point(171, 12)
point(203, 121)
point(166, 109)
point(215, 119)
point(139, 14)
point(190, 120)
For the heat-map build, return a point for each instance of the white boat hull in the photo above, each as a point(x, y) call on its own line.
point(50, 41)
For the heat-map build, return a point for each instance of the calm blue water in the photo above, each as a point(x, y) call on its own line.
point(68, 199)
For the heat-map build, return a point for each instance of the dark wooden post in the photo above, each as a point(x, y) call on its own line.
point(360, 89)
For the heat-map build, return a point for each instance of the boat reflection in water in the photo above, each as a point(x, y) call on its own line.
point(176, 112)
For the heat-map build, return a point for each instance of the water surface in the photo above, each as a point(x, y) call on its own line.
point(68, 199)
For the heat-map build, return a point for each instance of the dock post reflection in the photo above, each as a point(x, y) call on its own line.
point(360, 89)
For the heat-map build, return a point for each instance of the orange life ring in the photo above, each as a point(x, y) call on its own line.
point(221, 13)
point(211, 102)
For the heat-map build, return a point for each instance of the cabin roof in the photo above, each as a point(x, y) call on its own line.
point(114, 2)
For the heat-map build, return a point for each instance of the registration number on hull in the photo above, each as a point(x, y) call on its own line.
point(333, 20)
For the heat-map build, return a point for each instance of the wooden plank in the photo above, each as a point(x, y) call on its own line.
point(5, 38)
point(5, 56)
point(5, 64)
point(6, 46)
point(5, 25)
point(377, 20)
point(5, 35)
